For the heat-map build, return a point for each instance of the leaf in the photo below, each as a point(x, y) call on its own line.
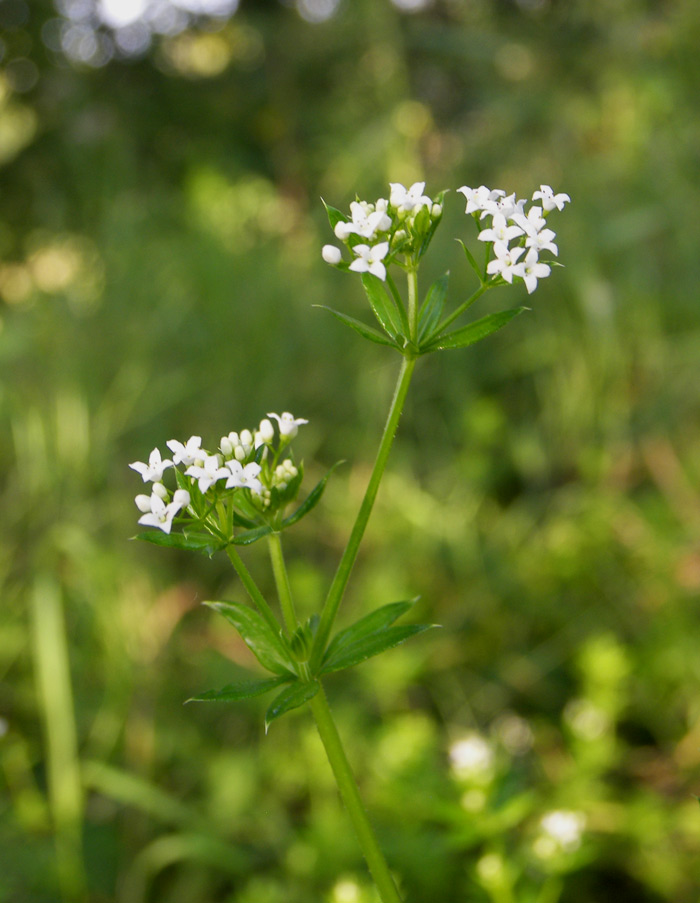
point(474, 332)
point(204, 543)
point(291, 698)
point(377, 620)
point(251, 536)
point(372, 645)
point(472, 261)
point(267, 646)
point(382, 304)
point(334, 215)
point(431, 309)
point(312, 499)
point(243, 689)
point(366, 332)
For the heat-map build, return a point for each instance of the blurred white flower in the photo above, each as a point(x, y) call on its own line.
point(208, 472)
point(561, 832)
point(471, 757)
point(288, 424)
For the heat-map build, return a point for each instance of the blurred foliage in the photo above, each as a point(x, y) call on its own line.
point(160, 234)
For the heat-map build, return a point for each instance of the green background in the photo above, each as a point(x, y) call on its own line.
point(160, 235)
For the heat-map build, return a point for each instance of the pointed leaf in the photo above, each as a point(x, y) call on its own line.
point(251, 536)
point(472, 261)
point(312, 499)
point(474, 332)
point(372, 645)
point(291, 698)
point(267, 646)
point(366, 332)
point(243, 689)
point(204, 543)
point(334, 215)
point(431, 309)
point(382, 304)
point(376, 620)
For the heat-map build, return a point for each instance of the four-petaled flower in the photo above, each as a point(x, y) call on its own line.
point(189, 453)
point(246, 477)
point(159, 514)
point(551, 200)
point(367, 220)
point(153, 471)
point(530, 270)
point(505, 263)
point(208, 472)
point(405, 200)
point(500, 232)
point(288, 424)
point(370, 260)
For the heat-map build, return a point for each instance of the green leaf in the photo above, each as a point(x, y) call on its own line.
point(312, 499)
point(251, 536)
point(382, 304)
point(243, 689)
point(267, 646)
point(377, 620)
point(472, 262)
point(365, 331)
point(334, 215)
point(431, 310)
point(291, 698)
point(204, 543)
point(372, 645)
point(474, 332)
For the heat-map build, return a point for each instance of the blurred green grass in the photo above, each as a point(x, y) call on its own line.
point(160, 237)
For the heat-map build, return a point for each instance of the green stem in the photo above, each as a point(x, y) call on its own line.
point(462, 307)
point(284, 590)
point(252, 588)
point(342, 575)
point(412, 277)
point(351, 797)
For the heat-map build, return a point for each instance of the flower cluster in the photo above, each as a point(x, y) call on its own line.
point(511, 223)
point(379, 233)
point(247, 471)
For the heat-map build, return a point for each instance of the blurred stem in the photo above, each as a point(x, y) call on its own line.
point(284, 590)
point(51, 663)
point(252, 588)
point(412, 277)
point(351, 797)
point(342, 575)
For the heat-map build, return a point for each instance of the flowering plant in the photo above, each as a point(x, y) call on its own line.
point(241, 493)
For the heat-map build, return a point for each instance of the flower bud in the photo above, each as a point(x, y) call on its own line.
point(160, 491)
point(247, 439)
point(143, 503)
point(436, 211)
point(239, 453)
point(330, 253)
point(266, 431)
point(226, 446)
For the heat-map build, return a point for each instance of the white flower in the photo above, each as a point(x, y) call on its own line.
point(153, 471)
point(542, 241)
point(244, 476)
point(509, 206)
point(471, 757)
point(505, 262)
point(564, 827)
point(407, 199)
point(331, 254)
point(479, 199)
point(367, 220)
point(189, 453)
point(369, 260)
point(288, 424)
point(208, 472)
point(157, 513)
point(500, 232)
point(551, 200)
point(531, 270)
point(533, 222)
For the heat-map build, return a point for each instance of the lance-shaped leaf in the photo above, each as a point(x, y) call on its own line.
point(204, 543)
point(431, 310)
point(334, 215)
point(371, 645)
point(291, 698)
point(367, 332)
point(376, 620)
point(383, 305)
point(472, 262)
point(250, 536)
point(312, 499)
point(243, 689)
point(472, 333)
point(267, 646)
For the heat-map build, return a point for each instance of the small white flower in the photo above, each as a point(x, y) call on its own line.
point(505, 262)
point(189, 453)
point(471, 757)
point(551, 200)
point(564, 827)
point(406, 200)
point(288, 424)
point(240, 476)
point(500, 232)
point(531, 270)
point(331, 254)
point(478, 199)
point(159, 514)
point(153, 471)
point(509, 206)
point(369, 260)
point(533, 222)
point(207, 473)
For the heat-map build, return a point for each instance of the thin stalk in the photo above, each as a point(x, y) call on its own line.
point(412, 277)
point(252, 588)
point(284, 590)
point(462, 307)
point(347, 786)
point(342, 574)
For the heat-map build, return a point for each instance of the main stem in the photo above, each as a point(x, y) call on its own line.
point(284, 590)
point(342, 574)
